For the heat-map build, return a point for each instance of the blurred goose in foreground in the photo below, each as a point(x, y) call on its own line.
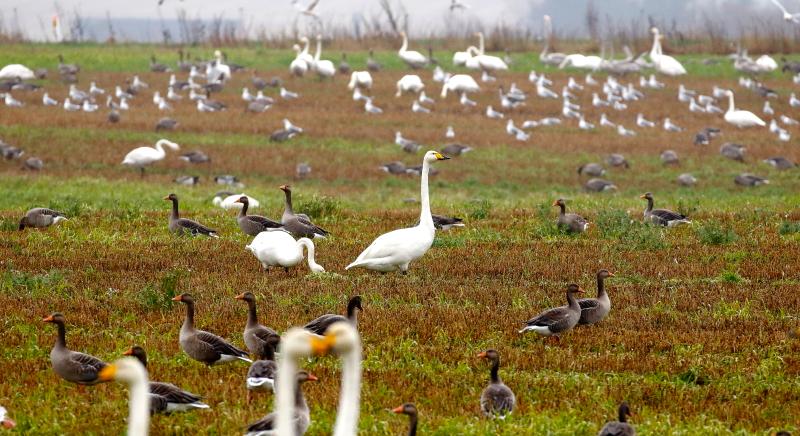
point(599, 185)
point(410, 410)
point(131, 372)
point(259, 339)
point(594, 310)
point(300, 416)
point(320, 325)
point(262, 372)
point(553, 322)
point(780, 163)
point(747, 179)
point(570, 222)
point(621, 426)
point(166, 397)
point(277, 247)
point(497, 399)
point(686, 179)
point(662, 217)
point(72, 366)
point(441, 222)
point(183, 226)
point(253, 224)
point(298, 224)
point(41, 217)
point(203, 346)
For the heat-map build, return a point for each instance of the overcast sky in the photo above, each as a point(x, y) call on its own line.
point(425, 15)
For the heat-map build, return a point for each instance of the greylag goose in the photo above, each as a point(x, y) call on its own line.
point(497, 399)
point(669, 157)
point(301, 417)
point(662, 217)
point(599, 185)
point(253, 224)
point(261, 374)
point(321, 324)
point(372, 64)
point(570, 222)
point(195, 157)
point(732, 151)
point(33, 163)
point(183, 226)
point(40, 217)
point(441, 222)
point(5, 421)
point(686, 179)
point(411, 410)
point(166, 124)
point(620, 427)
point(594, 310)
point(780, 163)
point(203, 346)
point(72, 366)
point(113, 116)
point(166, 397)
point(257, 338)
point(553, 322)
point(617, 160)
point(747, 179)
point(299, 225)
point(187, 180)
point(591, 169)
point(454, 150)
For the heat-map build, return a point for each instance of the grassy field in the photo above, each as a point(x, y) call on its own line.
point(696, 341)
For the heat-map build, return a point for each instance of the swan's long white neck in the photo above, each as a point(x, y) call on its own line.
point(319, 50)
point(306, 43)
point(480, 38)
point(404, 47)
point(656, 50)
point(139, 406)
point(731, 105)
point(305, 242)
point(425, 218)
point(349, 398)
point(285, 395)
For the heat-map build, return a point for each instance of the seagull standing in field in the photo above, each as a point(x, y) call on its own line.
point(795, 18)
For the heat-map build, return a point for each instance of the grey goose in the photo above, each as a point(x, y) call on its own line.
point(594, 310)
point(321, 324)
point(599, 185)
point(203, 346)
point(570, 222)
point(732, 151)
point(497, 399)
point(253, 224)
point(591, 169)
point(621, 426)
point(184, 226)
point(553, 322)
point(410, 410)
point(662, 217)
point(260, 340)
point(72, 366)
point(166, 397)
point(301, 416)
point(40, 217)
point(298, 224)
point(747, 179)
point(780, 163)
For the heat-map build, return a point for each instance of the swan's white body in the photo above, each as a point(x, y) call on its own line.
point(740, 118)
point(132, 372)
point(409, 83)
point(414, 59)
point(324, 68)
point(299, 66)
point(461, 84)
point(664, 64)
point(360, 79)
point(143, 156)
point(230, 202)
point(278, 248)
point(13, 71)
point(766, 63)
point(487, 62)
point(217, 70)
point(394, 251)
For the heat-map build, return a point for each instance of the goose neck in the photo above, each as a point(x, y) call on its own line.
point(243, 210)
point(175, 214)
point(188, 323)
point(601, 286)
point(61, 339)
point(649, 205)
point(252, 316)
point(493, 373)
point(288, 202)
point(412, 424)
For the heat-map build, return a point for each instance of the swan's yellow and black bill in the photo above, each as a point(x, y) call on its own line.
point(440, 156)
point(321, 345)
point(107, 373)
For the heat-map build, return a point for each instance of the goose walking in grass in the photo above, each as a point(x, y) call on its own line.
point(253, 224)
point(662, 217)
point(72, 366)
point(594, 310)
point(741, 118)
point(320, 325)
point(497, 399)
point(599, 185)
point(553, 322)
point(183, 226)
point(166, 397)
point(130, 371)
point(142, 157)
point(410, 410)
point(570, 222)
point(298, 224)
point(621, 426)
point(41, 217)
point(278, 248)
point(394, 251)
point(203, 346)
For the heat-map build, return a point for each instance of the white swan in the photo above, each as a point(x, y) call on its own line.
point(299, 66)
point(409, 83)
point(664, 64)
point(766, 63)
point(14, 71)
point(130, 371)
point(461, 84)
point(341, 338)
point(413, 59)
point(324, 68)
point(143, 156)
point(545, 56)
point(360, 79)
point(740, 118)
point(460, 57)
point(278, 248)
point(486, 62)
point(304, 55)
point(397, 249)
point(216, 70)
point(229, 202)
point(584, 62)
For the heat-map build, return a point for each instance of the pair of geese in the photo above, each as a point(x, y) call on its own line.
point(574, 223)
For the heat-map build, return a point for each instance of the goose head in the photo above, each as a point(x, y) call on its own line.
point(127, 369)
point(55, 318)
point(624, 412)
point(604, 274)
point(490, 355)
point(246, 296)
point(646, 196)
point(172, 197)
point(574, 289)
point(559, 202)
point(433, 156)
point(243, 200)
point(285, 188)
point(406, 409)
point(184, 298)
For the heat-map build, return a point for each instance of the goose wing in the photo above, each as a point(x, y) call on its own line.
point(172, 393)
point(195, 228)
point(306, 221)
point(219, 345)
point(667, 215)
point(550, 317)
point(84, 366)
point(263, 221)
point(322, 323)
point(262, 369)
point(588, 303)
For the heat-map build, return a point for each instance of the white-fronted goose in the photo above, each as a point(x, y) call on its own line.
point(686, 179)
point(570, 222)
point(72, 366)
point(732, 151)
point(301, 416)
point(497, 399)
point(620, 427)
point(299, 225)
point(259, 339)
point(203, 346)
point(780, 163)
point(747, 179)
point(553, 322)
point(5, 421)
point(594, 310)
point(441, 222)
point(166, 397)
point(183, 226)
point(321, 324)
point(591, 169)
point(599, 185)
point(411, 410)
point(40, 217)
point(253, 224)
point(662, 217)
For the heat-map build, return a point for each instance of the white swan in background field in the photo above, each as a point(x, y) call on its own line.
point(144, 156)
point(278, 248)
point(488, 62)
point(304, 55)
point(409, 83)
point(229, 202)
point(299, 66)
point(360, 79)
point(664, 64)
point(324, 68)
point(131, 372)
point(545, 56)
point(766, 63)
point(580, 61)
point(413, 59)
point(395, 250)
point(740, 118)
point(14, 71)
point(216, 70)
point(461, 84)
point(460, 57)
